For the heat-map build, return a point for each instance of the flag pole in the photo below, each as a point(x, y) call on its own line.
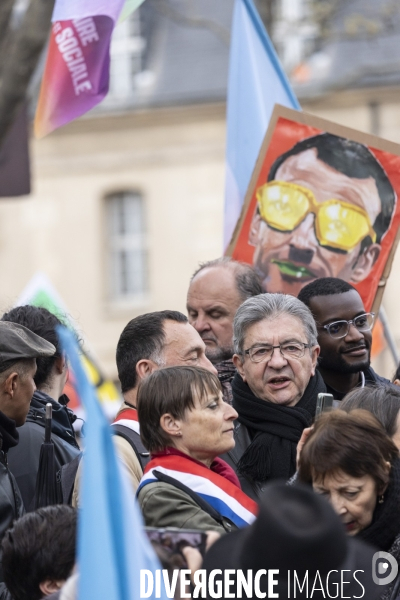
point(388, 336)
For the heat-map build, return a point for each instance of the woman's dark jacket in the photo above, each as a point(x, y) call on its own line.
point(23, 460)
point(384, 531)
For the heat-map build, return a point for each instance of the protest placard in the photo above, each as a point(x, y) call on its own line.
point(322, 202)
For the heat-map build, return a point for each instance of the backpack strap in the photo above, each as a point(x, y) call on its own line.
point(134, 441)
point(204, 505)
point(66, 478)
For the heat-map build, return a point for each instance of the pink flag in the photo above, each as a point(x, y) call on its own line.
point(76, 75)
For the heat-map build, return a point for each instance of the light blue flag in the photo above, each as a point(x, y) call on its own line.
point(112, 547)
point(256, 83)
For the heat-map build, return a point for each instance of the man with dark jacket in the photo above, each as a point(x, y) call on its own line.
point(50, 379)
point(19, 349)
point(148, 343)
point(275, 390)
point(344, 335)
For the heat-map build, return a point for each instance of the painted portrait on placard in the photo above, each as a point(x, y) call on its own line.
point(322, 202)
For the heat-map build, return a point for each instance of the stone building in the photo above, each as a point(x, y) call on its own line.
point(128, 200)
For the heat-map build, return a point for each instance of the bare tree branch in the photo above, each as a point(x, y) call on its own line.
point(379, 21)
point(192, 21)
point(267, 9)
point(6, 32)
point(24, 52)
point(6, 7)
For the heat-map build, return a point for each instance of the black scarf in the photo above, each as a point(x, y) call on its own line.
point(385, 526)
point(275, 429)
point(9, 435)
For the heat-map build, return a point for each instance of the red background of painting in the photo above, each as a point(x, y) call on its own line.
point(286, 134)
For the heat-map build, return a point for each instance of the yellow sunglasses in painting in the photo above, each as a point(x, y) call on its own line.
point(338, 224)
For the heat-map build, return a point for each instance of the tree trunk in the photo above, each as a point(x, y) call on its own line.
point(266, 10)
point(22, 56)
point(6, 7)
point(6, 32)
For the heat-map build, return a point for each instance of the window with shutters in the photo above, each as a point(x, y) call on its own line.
point(127, 246)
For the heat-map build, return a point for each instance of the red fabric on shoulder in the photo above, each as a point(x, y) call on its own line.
point(218, 465)
point(222, 468)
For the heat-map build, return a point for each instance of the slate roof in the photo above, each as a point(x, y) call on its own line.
point(363, 50)
point(188, 62)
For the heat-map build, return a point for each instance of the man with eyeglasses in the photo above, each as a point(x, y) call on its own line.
point(322, 213)
point(275, 389)
point(344, 335)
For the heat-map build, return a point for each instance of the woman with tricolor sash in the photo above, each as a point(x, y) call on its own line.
point(186, 425)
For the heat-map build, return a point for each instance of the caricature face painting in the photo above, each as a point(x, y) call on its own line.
point(314, 220)
point(320, 208)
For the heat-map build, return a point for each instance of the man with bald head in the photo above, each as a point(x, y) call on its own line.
point(216, 291)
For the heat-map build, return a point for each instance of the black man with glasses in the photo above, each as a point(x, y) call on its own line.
point(344, 335)
point(275, 388)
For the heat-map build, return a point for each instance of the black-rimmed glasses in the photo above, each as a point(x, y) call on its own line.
point(339, 329)
point(264, 352)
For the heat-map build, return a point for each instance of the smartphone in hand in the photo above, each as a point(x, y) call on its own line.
point(324, 403)
point(169, 543)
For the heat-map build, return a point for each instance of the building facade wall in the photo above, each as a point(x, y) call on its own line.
point(174, 158)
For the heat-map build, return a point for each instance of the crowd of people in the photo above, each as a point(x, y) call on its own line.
point(217, 432)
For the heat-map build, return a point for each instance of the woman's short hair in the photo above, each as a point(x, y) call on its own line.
point(353, 442)
point(382, 401)
point(171, 390)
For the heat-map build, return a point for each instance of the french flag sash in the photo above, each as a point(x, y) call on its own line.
point(224, 496)
point(128, 417)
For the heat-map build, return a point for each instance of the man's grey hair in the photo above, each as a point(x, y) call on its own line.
point(248, 283)
point(271, 306)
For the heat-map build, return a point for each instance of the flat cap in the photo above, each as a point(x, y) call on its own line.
point(17, 342)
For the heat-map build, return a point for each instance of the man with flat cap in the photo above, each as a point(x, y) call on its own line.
point(19, 348)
